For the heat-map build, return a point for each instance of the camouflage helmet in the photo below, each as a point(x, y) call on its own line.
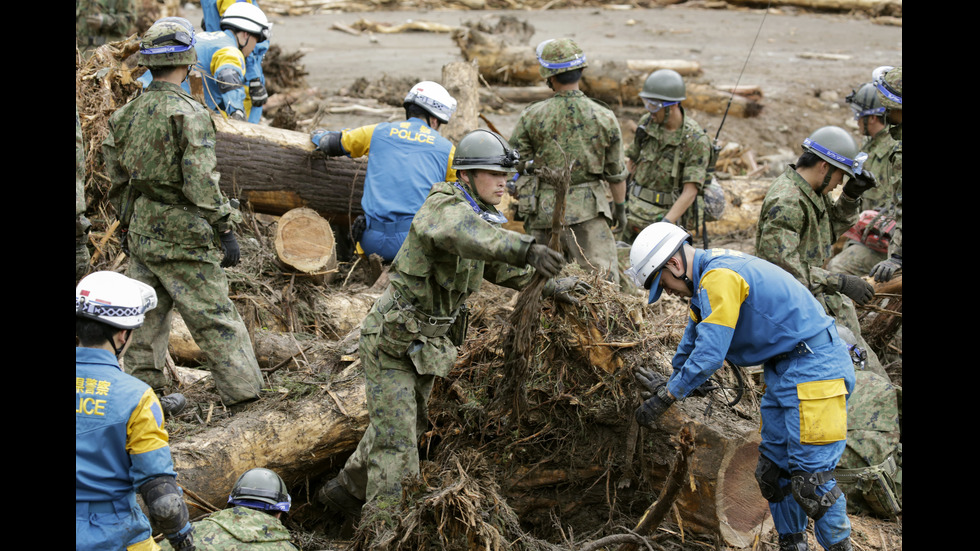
point(664, 85)
point(559, 56)
point(865, 102)
point(261, 489)
point(486, 150)
point(888, 81)
point(169, 42)
point(836, 146)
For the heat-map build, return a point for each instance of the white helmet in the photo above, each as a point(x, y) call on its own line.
point(432, 97)
point(243, 16)
point(114, 299)
point(651, 250)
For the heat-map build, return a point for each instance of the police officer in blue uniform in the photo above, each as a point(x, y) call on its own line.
point(750, 312)
point(121, 445)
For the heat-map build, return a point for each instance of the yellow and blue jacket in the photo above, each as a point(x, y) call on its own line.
point(744, 309)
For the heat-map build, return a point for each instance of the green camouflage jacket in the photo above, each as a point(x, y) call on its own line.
point(118, 21)
point(569, 128)
point(161, 144)
point(895, 247)
point(449, 251)
point(240, 528)
point(798, 227)
point(665, 161)
point(880, 149)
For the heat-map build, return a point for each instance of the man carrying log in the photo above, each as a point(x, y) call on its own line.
point(888, 82)
point(258, 500)
point(121, 445)
point(751, 312)
point(574, 131)
point(668, 159)
point(799, 223)
point(405, 159)
point(868, 240)
point(178, 225)
point(412, 332)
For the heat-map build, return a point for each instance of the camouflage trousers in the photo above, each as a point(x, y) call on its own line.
point(397, 403)
point(842, 309)
point(856, 259)
point(589, 244)
point(192, 281)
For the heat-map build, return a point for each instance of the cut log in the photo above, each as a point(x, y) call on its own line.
point(298, 441)
point(305, 242)
point(277, 170)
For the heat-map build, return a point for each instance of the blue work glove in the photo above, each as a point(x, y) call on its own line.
point(327, 141)
point(230, 245)
point(885, 270)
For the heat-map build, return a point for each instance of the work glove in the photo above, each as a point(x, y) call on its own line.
point(566, 288)
point(232, 253)
point(545, 260)
point(238, 115)
point(648, 381)
point(859, 183)
point(619, 213)
point(525, 168)
point(258, 93)
point(653, 407)
point(859, 290)
point(183, 542)
point(885, 270)
point(327, 141)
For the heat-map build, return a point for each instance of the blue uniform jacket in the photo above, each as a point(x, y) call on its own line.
point(744, 309)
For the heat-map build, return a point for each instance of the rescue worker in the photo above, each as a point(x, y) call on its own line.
point(866, 245)
point(178, 225)
point(799, 223)
point(751, 312)
point(253, 522)
point(574, 131)
point(213, 11)
point(221, 59)
point(412, 332)
point(98, 22)
point(668, 159)
point(405, 159)
point(121, 444)
point(888, 82)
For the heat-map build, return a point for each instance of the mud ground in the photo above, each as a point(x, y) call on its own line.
point(805, 63)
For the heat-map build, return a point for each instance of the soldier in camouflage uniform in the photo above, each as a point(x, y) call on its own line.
point(160, 157)
point(799, 223)
point(82, 224)
point(888, 82)
point(258, 499)
point(858, 257)
point(668, 159)
point(411, 334)
point(570, 129)
point(100, 21)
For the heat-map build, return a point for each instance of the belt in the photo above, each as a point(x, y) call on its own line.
point(429, 326)
point(806, 346)
point(126, 504)
point(851, 475)
point(389, 228)
point(658, 198)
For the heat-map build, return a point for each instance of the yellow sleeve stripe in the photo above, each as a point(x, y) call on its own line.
point(145, 431)
point(357, 141)
point(726, 292)
point(227, 56)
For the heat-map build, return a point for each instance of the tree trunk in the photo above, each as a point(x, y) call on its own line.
point(305, 242)
point(298, 441)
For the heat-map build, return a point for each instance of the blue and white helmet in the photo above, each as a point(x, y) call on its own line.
point(432, 97)
point(114, 299)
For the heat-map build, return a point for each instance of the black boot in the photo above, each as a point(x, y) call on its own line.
point(793, 542)
point(337, 498)
point(843, 545)
point(173, 404)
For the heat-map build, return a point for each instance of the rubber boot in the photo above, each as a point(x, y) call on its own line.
point(793, 542)
point(336, 497)
point(173, 404)
point(843, 545)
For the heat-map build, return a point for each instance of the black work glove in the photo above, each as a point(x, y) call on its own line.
point(545, 260)
point(619, 213)
point(238, 115)
point(885, 270)
point(859, 183)
point(860, 291)
point(232, 253)
point(566, 288)
point(258, 93)
point(648, 381)
point(655, 406)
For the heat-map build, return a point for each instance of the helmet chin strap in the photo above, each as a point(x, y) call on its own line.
point(687, 281)
point(111, 334)
point(826, 179)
